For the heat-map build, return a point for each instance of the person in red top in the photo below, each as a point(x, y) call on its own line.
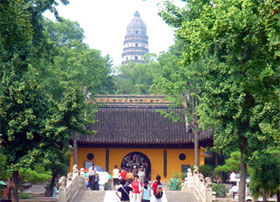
point(155, 185)
point(137, 189)
point(123, 173)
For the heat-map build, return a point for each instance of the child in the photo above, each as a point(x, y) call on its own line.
point(146, 192)
point(234, 189)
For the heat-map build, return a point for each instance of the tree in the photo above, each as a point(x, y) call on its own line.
point(136, 78)
point(177, 82)
point(232, 163)
point(72, 62)
point(238, 42)
point(265, 176)
point(34, 128)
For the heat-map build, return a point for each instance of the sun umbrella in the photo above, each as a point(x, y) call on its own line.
point(2, 182)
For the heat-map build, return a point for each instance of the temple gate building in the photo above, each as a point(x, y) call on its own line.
point(136, 41)
point(131, 131)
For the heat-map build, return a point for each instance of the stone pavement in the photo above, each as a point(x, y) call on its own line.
point(90, 196)
point(36, 190)
point(180, 196)
point(110, 196)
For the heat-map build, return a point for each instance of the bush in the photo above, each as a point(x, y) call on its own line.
point(206, 170)
point(24, 196)
point(220, 190)
point(174, 184)
point(107, 186)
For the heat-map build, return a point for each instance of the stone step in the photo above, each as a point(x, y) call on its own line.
point(180, 196)
point(90, 196)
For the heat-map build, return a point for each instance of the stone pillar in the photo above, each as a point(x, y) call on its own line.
point(62, 189)
point(208, 187)
point(188, 185)
point(75, 172)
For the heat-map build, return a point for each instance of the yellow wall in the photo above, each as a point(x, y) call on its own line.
point(116, 156)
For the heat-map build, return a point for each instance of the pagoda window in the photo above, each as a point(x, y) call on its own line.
point(136, 58)
point(136, 45)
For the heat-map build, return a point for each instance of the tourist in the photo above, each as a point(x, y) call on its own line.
point(92, 176)
point(124, 191)
point(146, 192)
point(141, 175)
point(232, 178)
point(123, 174)
point(116, 175)
point(4, 193)
point(55, 191)
point(137, 189)
point(129, 176)
point(134, 171)
point(234, 189)
point(157, 189)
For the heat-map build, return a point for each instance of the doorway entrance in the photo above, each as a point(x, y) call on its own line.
point(139, 160)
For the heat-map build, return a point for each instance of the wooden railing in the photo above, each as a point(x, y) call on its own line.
point(202, 188)
point(70, 186)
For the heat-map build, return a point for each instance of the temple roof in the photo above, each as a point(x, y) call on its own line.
point(139, 123)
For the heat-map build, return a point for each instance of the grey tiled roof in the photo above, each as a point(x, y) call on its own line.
point(138, 124)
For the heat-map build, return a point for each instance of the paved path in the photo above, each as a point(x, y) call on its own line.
point(111, 197)
point(90, 196)
point(180, 196)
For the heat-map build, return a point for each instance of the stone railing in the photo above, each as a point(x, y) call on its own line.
point(202, 188)
point(69, 187)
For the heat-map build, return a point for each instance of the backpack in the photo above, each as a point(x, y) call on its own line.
point(159, 191)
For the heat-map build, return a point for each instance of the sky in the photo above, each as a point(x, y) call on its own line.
point(104, 23)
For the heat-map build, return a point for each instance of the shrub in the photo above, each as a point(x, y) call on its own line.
point(24, 196)
point(206, 170)
point(220, 190)
point(174, 184)
point(107, 186)
point(183, 175)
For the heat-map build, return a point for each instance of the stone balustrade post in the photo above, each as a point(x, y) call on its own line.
point(62, 189)
point(75, 171)
point(208, 189)
point(189, 181)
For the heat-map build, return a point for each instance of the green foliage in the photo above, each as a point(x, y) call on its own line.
point(107, 186)
point(265, 176)
point(232, 163)
point(206, 170)
point(220, 190)
point(176, 175)
point(35, 128)
point(72, 63)
point(39, 175)
point(135, 78)
point(25, 196)
point(4, 174)
point(175, 184)
point(236, 43)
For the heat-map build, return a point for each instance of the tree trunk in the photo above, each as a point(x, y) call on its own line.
point(50, 188)
point(75, 148)
point(196, 148)
point(243, 167)
point(15, 187)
